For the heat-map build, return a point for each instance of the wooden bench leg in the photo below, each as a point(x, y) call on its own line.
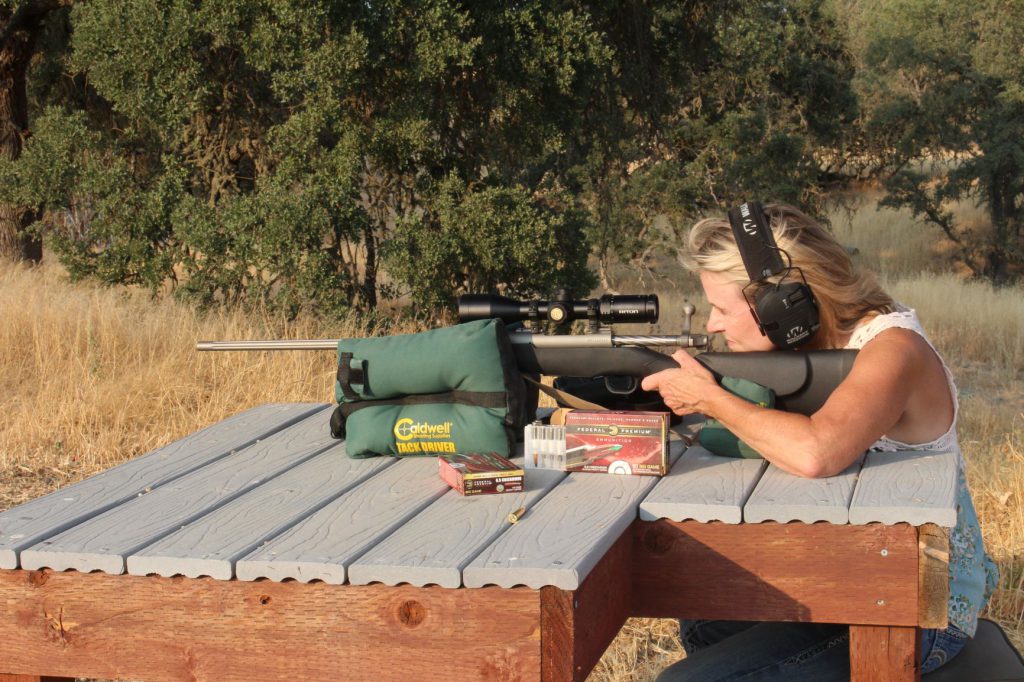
point(885, 654)
point(578, 625)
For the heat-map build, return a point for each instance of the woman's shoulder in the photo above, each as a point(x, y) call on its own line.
point(903, 343)
point(874, 324)
point(897, 334)
point(895, 353)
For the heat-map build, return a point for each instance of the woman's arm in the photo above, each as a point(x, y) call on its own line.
point(865, 406)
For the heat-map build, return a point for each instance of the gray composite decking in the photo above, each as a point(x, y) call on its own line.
point(896, 486)
point(238, 528)
point(782, 497)
point(103, 542)
point(34, 521)
point(321, 546)
point(268, 494)
point(436, 545)
point(703, 487)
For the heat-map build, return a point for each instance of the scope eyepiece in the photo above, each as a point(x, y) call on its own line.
point(609, 309)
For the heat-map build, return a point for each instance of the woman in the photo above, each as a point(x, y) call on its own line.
point(899, 395)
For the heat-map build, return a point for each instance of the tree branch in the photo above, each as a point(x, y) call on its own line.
point(28, 15)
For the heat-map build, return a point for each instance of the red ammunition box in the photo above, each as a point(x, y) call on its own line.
point(480, 473)
point(617, 442)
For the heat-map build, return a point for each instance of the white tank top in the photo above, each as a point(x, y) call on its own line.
point(905, 318)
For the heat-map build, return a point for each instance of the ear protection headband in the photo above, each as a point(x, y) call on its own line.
point(785, 312)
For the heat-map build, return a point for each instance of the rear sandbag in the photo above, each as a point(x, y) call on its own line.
point(454, 389)
point(719, 440)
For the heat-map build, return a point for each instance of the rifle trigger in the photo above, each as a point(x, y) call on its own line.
point(620, 385)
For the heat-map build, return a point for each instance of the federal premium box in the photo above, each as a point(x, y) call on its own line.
point(480, 473)
point(617, 442)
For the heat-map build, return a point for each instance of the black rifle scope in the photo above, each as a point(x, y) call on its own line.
point(561, 309)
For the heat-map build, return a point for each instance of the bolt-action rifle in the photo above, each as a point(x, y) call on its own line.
point(802, 380)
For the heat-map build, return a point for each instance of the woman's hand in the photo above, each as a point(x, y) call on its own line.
point(683, 389)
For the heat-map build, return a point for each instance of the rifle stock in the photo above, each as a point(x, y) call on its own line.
point(802, 380)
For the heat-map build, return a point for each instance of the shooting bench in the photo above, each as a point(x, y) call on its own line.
point(256, 550)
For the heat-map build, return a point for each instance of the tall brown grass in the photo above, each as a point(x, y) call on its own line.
point(91, 376)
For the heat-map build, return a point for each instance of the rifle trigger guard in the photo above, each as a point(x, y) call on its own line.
point(621, 385)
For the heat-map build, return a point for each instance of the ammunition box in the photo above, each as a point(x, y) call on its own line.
point(617, 442)
point(480, 473)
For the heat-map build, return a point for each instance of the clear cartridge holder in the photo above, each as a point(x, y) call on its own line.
point(544, 447)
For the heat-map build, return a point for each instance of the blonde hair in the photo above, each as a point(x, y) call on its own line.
point(845, 293)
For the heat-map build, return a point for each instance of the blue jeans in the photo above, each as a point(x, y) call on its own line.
point(734, 650)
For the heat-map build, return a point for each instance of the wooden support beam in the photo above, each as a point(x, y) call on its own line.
point(578, 625)
point(933, 577)
point(105, 626)
point(884, 654)
point(770, 571)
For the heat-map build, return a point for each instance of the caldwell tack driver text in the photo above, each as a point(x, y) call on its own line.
point(406, 429)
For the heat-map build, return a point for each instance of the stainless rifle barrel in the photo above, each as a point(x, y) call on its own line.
point(606, 340)
point(293, 344)
point(683, 340)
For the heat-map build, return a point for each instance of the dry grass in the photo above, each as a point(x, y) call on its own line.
point(887, 241)
point(92, 376)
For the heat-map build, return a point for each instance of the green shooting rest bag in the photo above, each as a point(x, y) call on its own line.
point(448, 390)
point(719, 440)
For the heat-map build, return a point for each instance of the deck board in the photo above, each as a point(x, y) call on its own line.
point(566, 533)
point(212, 545)
point(911, 486)
point(105, 541)
point(269, 494)
point(783, 497)
point(437, 544)
point(703, 487)
point(35, 521)
point(324, 544)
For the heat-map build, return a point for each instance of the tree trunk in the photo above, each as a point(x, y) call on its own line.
point(369, 287)
point(603, 274)
point(18, 32)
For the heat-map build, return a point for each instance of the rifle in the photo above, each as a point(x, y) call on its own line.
point(802, 380)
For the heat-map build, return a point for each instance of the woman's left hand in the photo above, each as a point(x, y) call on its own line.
point(683, 389)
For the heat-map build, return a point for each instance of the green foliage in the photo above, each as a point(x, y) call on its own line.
point(490, 238)
point(320, 155)
point(264, 152)
point(944, 88)
point(752, 94)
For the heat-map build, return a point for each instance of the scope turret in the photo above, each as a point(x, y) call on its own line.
point(609, 309)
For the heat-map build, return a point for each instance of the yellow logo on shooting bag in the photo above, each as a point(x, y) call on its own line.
point(407, 429)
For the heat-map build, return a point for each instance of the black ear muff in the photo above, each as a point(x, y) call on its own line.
point(786, 312)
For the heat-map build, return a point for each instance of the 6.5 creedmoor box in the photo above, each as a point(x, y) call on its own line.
point(480, 473)
point(617, 442)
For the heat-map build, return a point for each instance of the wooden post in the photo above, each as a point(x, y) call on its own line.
point(933, 576)
point(884, 654)
point(578, 625)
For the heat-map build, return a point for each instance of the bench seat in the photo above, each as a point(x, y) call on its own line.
point(989, 657)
